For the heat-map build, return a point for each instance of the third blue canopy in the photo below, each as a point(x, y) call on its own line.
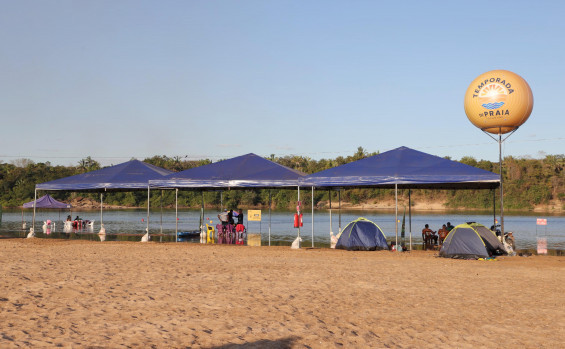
point(407, 168)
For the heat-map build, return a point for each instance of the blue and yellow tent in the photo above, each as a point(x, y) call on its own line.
point(470, 240)
point(362, 235)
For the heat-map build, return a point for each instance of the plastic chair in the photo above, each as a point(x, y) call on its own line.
point(210, 239)
point(221, 234)
point(230, 234)
point(68, 226)
point(240, 234)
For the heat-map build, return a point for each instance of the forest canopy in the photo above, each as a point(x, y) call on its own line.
point(527, 184)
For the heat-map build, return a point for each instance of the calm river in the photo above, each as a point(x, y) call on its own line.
point(130, 225)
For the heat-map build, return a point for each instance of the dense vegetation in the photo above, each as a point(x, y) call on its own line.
point(527, 183)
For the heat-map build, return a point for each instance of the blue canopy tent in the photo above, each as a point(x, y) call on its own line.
point(403, 168)
point(127, 176)
point(46, 201)
point(245, 171)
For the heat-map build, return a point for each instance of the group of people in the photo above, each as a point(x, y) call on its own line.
point(230, 232)
point(429, 237)
point(69, 218)
point(226, 217)
point(77, 223)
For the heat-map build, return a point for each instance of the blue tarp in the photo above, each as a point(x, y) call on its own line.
point(407, 168)
point(246, 171)
point(129, 175)
point(46, 202)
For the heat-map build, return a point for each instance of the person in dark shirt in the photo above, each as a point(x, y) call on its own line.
point(230, 217)
point(240, 216)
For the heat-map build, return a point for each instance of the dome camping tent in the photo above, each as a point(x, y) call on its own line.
point(470, 241)
point(489, 238)
point(362, 235)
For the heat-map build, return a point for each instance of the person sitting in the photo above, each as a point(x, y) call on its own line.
point(449, 227)
point(77, 218)
point(442, 233)
point(427, 234)
point(509, 238)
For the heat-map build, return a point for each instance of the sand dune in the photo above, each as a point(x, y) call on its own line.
point(121, 294)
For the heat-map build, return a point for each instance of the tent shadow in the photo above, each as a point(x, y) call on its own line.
point(283, 343)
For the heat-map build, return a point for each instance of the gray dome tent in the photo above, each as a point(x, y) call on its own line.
point(490, 239)
point(466, 242)
point(362, 235)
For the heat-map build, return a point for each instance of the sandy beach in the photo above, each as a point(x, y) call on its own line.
point(75, 294)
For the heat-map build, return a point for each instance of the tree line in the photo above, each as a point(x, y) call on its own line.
point(527, 184)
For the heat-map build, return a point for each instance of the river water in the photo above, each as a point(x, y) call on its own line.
point(130, 224)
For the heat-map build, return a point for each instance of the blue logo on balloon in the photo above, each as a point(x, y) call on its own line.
point(492, 106)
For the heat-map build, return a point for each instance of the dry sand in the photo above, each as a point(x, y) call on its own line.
point(120, 294)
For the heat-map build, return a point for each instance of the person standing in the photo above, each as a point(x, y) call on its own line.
point(230, 217)
point(223, 217)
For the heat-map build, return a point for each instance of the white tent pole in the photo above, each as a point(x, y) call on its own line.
point(339, 197)
point(269, 217)
point(298, 218)
point(202, 216)
point(396, 211)
point(176, 215)
point(312, 216)
point(148, 205)
point(410, 217)
point(494, 209)
point(101, 216)
point(34, 202)
point(330, 195)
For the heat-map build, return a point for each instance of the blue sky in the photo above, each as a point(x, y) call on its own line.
point(216, 79)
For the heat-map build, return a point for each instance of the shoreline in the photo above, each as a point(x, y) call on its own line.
point(345, 207)
point(556, 207)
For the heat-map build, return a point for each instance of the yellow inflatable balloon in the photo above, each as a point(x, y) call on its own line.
point(498, 101)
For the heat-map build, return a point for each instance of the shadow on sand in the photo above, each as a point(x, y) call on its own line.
point(283, 343)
